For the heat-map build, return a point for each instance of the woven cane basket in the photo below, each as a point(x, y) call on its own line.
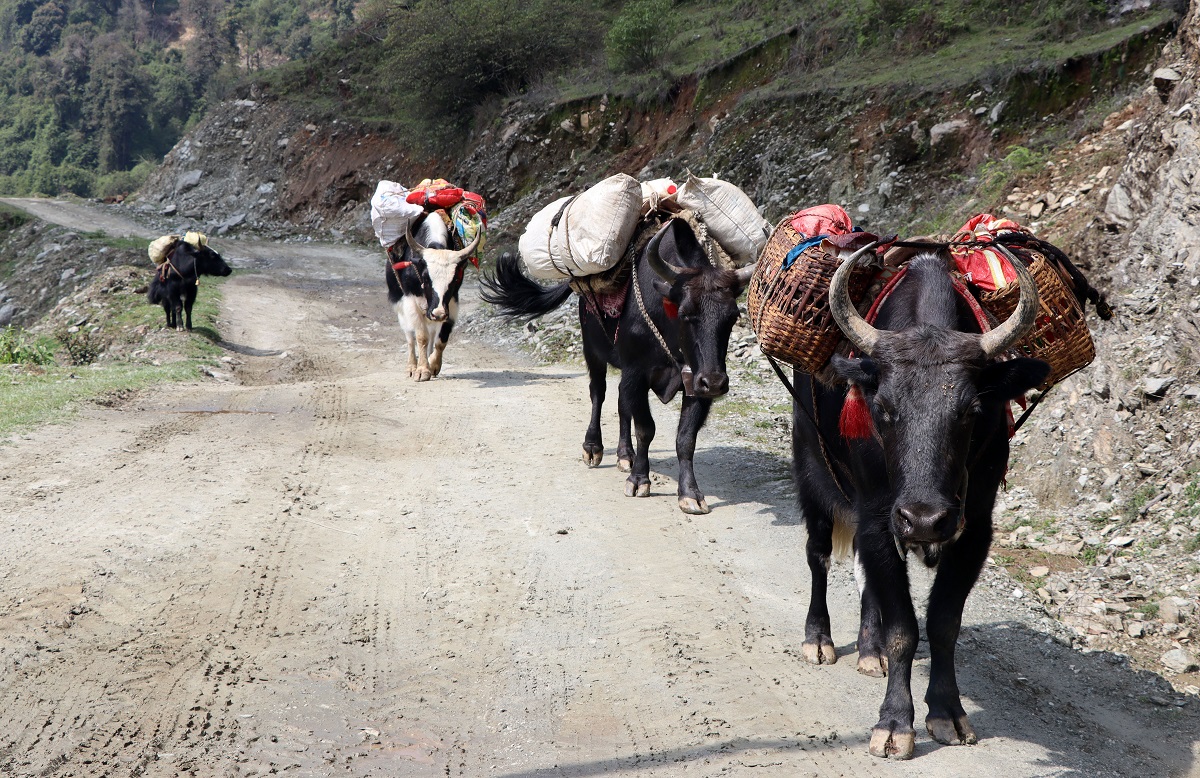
point(1060, 333)
point(789, 307)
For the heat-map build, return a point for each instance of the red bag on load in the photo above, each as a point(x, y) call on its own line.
point(822, 220)
point(985, 268)
point(474, 202)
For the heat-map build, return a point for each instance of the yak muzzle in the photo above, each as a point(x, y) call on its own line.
point(710, 384)
point(920, 522)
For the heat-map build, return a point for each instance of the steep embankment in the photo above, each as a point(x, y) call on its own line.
point(1101, 524)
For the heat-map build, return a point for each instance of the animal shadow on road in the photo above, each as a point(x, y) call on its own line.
point(1092, 713)
point(492, 379)
point(739, 475)
point(638, 763)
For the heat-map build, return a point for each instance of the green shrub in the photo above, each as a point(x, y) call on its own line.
point(18, 348)
point(641, 35)
point(450, 56)
point(83, 347)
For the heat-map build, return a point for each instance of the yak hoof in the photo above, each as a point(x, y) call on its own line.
point(951, 732)
point(819, 651)
point(592, 458)
point(885, 743)
point(693, 506)
point(635, 489)
point(624, 465)
point(423, 374)
point(874, 666)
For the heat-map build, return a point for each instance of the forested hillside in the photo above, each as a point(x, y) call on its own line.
point(94, 92)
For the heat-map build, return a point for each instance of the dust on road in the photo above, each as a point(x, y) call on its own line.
point(324, 568)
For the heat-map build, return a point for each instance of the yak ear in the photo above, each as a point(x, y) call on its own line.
point(1012, 378)
point(861, 371)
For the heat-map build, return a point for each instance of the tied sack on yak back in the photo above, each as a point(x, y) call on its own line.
point(160, 248)
point(584, 234)
point(391, 213)
point(732, 218)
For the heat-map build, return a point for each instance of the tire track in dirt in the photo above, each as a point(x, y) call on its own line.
point(329, 569)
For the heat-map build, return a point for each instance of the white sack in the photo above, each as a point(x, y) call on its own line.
point(732, 219)
point(391, 213)
point(159, 248)
point(654, 192)
point(591, 235)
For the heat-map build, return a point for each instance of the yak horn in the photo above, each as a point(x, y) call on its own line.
point(849, 320)
point(665, 270)
point(470, 247)
point(412, 242)
point(1012, 329)
point(744, 274)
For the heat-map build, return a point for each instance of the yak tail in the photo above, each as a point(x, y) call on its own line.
point(518, 296)
point(154, 293)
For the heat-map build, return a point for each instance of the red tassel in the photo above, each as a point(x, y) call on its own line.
point(855, 421)
point(475, 261)
point(671, 309)
point(400, 265)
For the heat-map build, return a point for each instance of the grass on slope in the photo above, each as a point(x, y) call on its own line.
point(140, 355)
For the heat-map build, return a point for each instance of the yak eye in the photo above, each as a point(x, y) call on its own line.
point(887, 413)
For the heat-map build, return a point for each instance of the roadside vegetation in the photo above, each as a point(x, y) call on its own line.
point(98, 344)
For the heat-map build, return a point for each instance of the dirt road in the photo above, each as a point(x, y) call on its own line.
point(323, 568)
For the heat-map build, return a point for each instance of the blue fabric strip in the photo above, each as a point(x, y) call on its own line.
point(800, 248)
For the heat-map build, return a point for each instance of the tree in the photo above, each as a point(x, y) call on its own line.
point(641, 35)
point(44, 28)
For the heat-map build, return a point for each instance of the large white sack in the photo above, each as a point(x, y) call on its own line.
point(732, 219)
point(391, 213)
point(592, 233)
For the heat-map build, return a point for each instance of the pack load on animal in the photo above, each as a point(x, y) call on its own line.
point(395, 208)
point(160, 248)
point(587, 234)
point(729, 215)
point(788, 297)
point(583, 234)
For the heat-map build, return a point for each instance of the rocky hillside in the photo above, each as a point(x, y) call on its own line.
point(1096, 151)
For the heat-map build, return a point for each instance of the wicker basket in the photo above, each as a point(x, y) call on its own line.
point(789, 307)
point(1060, 333)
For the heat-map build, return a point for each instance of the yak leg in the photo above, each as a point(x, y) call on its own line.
point(634, 401)
point(957, 572)
point(189, 299)
point(439, 346)
point(597, 366)
point(423, 373)
point(818, 641)
point(412, 323)
point(691, 419)
point(625, 443)
point(887, 580)
point(872, 659)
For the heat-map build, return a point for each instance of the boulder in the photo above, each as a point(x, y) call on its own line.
point(1179, 660)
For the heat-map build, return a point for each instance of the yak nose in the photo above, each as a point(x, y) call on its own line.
point(712, 384)
point(923, 523)
point(438, 314)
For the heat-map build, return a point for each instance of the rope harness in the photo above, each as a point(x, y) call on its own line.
point(168, 266)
